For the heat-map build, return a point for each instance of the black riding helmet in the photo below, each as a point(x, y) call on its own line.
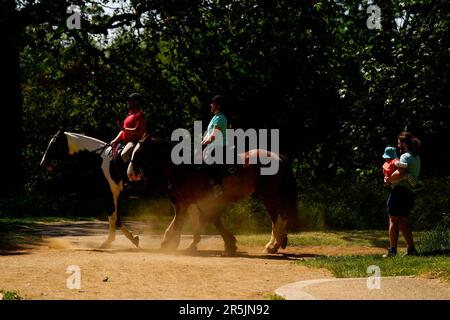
point(219, 100)
point(136, 97)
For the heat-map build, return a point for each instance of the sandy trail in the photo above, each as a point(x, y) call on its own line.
point(39, 271)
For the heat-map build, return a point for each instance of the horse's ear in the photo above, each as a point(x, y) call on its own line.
point(145, 137)
point(61, 130)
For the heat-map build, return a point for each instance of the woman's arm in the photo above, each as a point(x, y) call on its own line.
point(210, 138)
point(116, 139)
point(398, 175)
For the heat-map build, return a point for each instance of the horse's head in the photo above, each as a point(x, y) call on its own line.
point(56, 151)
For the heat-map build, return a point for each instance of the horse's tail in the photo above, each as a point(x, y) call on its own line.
point(289, 195)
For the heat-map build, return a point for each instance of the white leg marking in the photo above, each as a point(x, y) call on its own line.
point(280, 229)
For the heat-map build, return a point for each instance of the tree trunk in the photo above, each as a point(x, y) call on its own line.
point(11, 171)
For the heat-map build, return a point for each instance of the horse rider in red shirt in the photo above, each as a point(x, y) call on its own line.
point(133, 128)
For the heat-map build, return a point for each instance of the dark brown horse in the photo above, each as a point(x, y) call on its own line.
point(189, 185)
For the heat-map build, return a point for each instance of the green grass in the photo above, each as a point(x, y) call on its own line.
point(27, 220)
point(275, 296)
point(356, 266)
point(437, 266)
point(367, 238)
point(10, 295)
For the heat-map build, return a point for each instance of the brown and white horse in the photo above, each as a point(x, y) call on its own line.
point(190, 186)
point(65, 144)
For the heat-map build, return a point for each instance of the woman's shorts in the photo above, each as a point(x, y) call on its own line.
point(400, 202)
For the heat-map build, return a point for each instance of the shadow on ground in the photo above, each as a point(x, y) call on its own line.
point(377, 239)
point(212, 253)
point(17, 237)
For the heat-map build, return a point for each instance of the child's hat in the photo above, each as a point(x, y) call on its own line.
point(390, 153)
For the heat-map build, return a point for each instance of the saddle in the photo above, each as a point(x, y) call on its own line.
point(117, 149)
point(117, 168)
point(217, 172)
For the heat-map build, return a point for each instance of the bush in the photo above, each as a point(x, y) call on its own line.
point(334, 204)
point(343, 204)
point(53, 205)
point(431, 203)
point(437, 241)
point(247, 216)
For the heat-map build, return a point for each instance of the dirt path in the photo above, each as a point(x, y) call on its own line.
point(123, 272)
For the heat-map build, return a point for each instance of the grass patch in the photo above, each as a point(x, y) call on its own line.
point(9, 295)
point(366, 238)
point(436, 241)
point(275, 296)
point(28, 220)
point(356, 266)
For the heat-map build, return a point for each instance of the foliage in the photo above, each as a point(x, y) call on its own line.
point(436, 241)
point(338, 92)
point(341, 91)
point(248, 216)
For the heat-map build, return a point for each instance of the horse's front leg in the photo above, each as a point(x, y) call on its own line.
point(134, 239)
point(194, 214)
point(172, 235)
point(112, 218)
point(228, 238)
point(210, 213)
point(114, 221)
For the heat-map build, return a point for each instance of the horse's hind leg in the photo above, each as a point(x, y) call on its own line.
point(279, 232)
point(210, 213)
point(172, 235)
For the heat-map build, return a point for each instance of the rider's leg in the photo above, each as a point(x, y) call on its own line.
point(127, 152)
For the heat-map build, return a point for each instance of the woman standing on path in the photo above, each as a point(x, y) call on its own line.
point(401, 199)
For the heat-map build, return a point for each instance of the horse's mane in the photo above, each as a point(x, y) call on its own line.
point(79, 142)
point(79, 135)
point(147, 138)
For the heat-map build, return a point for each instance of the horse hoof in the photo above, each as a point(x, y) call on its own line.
point(169, 246)
point(136, 241)
point(192, 248)
point(230, 250)
point(270, 250)
point(284, 242)
point(105, 245)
